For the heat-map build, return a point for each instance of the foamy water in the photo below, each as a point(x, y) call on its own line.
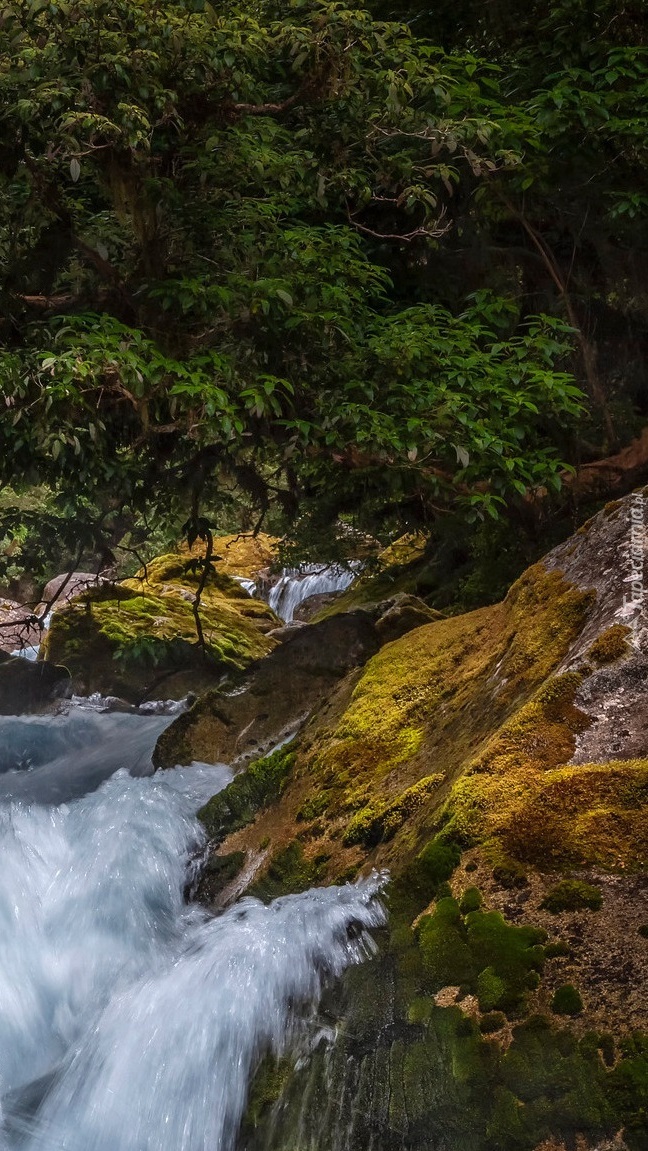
point(130, 1020)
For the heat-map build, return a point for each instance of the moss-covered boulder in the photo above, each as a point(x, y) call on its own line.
point(139, 637)
point(485, 759)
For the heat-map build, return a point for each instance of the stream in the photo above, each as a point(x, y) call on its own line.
point(131, 1019)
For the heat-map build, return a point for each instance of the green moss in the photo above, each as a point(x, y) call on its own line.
point(221, 870)
point(422, 880)
point(560, 1088)
point(567, 1001)
point(492, 1021)
point(557, 950)
point(572, 895)
point(241, 801)
point(471, 900)
point(512, 953)
point(435, 1077)
point(313, 807)
point(381, 821)
point(607, 1048)
point(628, 1090)
point(611, 645)
point(510, 873)
point(447, 958)
point(481, 952)
point(269, 1081)
point(491, 990)
point(290, 870)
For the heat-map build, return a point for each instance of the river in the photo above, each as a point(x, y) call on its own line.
point(131, 1019)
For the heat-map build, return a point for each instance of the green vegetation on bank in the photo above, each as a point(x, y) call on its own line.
point(241, 801)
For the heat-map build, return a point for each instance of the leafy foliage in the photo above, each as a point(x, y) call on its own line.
point(208, 220)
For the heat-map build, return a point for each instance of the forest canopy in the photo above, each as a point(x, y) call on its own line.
point(383, 264)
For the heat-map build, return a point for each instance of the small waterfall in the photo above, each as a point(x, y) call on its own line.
point(298, 584)
point(31, 650)
point(130, 1020)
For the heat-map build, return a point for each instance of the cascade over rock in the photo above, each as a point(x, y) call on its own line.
point(129, 1018)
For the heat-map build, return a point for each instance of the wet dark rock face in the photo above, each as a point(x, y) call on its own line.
point(273, 697)
point(27, 685)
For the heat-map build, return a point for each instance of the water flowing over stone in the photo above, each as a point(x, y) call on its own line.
point(297, 585)
point(129, 1019)
point(52, 759)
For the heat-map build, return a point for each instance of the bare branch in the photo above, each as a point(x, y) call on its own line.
point(428, 231)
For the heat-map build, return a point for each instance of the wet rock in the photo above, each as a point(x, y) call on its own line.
point(27, 686)
point(65, 586)
point(273, 697)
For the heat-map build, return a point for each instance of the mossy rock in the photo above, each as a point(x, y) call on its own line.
point(492, 1021)
point(218, 872)
point(567, 1000)
point(557, 949)
point(611, 644)
point(471, 900)
point(572, 895)
point(477, 698)
point(124, 639)
point(240, 802)
point(404, 755)
point(481, 952)
point(290, 870)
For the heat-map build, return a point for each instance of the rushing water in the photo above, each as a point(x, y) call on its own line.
point(297, 585)
point(129, 1019)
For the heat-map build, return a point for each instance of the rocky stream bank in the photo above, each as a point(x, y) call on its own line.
point(496, 764)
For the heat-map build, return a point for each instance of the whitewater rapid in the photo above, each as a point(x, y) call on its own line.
point(131, 1020)
point(296, 585)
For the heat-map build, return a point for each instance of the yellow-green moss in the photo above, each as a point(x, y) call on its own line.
point(425, 707)
point(116, 636)
point(447, 684)
point(583, 814)
point(381, 821)
point(539, 737)
point(522, 796)
point(612, 644)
